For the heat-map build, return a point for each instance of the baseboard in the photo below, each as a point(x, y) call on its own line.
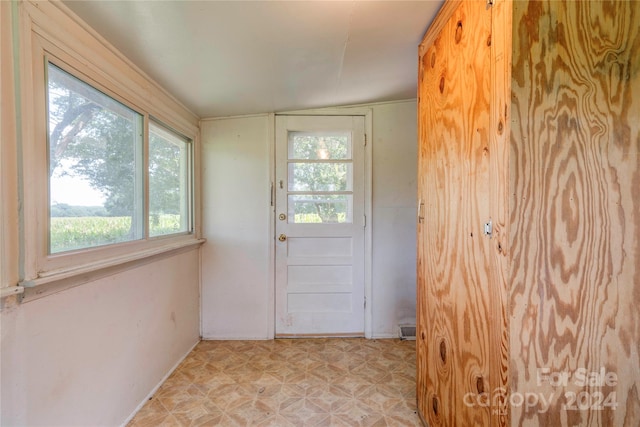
point(234, 338)
point(384, 336)
point(153, 391)
point(336, 335)
point(250, 338)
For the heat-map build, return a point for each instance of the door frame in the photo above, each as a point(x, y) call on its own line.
point(367, 113)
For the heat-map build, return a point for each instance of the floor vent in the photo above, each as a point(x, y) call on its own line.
point(408, 333)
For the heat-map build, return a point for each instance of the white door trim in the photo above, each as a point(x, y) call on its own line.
point(271, 310)
point(367, 113)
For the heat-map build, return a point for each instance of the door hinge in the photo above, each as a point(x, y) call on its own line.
point(365, 302)
point(365, 140)
point(364, 221)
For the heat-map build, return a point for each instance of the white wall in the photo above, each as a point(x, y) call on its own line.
point(237, 294)
point(236, 215)
point(88, 356)
point(395, 162)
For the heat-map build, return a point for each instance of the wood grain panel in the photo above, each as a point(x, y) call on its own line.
point(501, 16)
point(575, 224)
point(454, 318)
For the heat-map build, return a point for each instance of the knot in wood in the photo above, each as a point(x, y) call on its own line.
point(459, 32)
point(443, 351)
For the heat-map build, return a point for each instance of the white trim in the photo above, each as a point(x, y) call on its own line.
point(11, 290)
point(239, 116)
point(368, 231)
point(271, 282)
point(12, 221)
point(236, 338)
point(367, 112)
point(200, 294)
point(65, 273)
point(155, 389)
point(197, 214)
point(321, 111)
point(375, 104)
point(344, 110)
point(42, 287)
point(6, 109)
point(384, 337)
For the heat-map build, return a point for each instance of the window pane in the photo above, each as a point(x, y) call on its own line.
point(320, 176)
point(319, 146)
point(169, 188)
point(326, 209)
point(95, 165)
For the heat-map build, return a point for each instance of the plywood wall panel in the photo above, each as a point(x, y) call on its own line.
point(500, 251)
point(575, 224)
point(454, 305)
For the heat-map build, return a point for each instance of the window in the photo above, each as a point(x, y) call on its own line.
point(106, 159)
point(95, 160)
point(169, 181)
point(96, 155)
point(320, 187)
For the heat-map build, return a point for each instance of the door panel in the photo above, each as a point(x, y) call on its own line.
point(454, 278)
point(319, 226)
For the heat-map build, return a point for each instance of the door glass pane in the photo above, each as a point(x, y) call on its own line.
point(320, 209)
point(95, 166)
point(305, 176)
point(169, 189)
point(319, 146)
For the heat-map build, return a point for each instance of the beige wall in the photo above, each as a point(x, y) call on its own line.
point(91, 354)
point(237, 289)
point(393, 276)
point(236, 215)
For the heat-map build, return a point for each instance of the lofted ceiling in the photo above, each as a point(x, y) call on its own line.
point(223, 58)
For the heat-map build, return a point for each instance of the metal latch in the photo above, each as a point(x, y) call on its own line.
point(420, 215)
point(488, 228)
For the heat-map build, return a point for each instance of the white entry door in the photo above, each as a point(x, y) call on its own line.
point(320, 226)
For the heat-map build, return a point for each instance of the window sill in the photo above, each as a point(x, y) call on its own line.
point(54, 281)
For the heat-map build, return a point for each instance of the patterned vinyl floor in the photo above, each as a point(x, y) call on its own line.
point(302, 382)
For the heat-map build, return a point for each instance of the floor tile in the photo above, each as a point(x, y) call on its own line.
point(306, 382)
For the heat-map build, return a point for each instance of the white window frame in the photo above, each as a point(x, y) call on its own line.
point(140, 174)
point(188, 184)
point(50, 32)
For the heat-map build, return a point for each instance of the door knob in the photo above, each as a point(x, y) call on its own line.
point(282, 237)
point(282, 217)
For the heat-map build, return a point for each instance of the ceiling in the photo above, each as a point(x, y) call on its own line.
point(224, 58)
